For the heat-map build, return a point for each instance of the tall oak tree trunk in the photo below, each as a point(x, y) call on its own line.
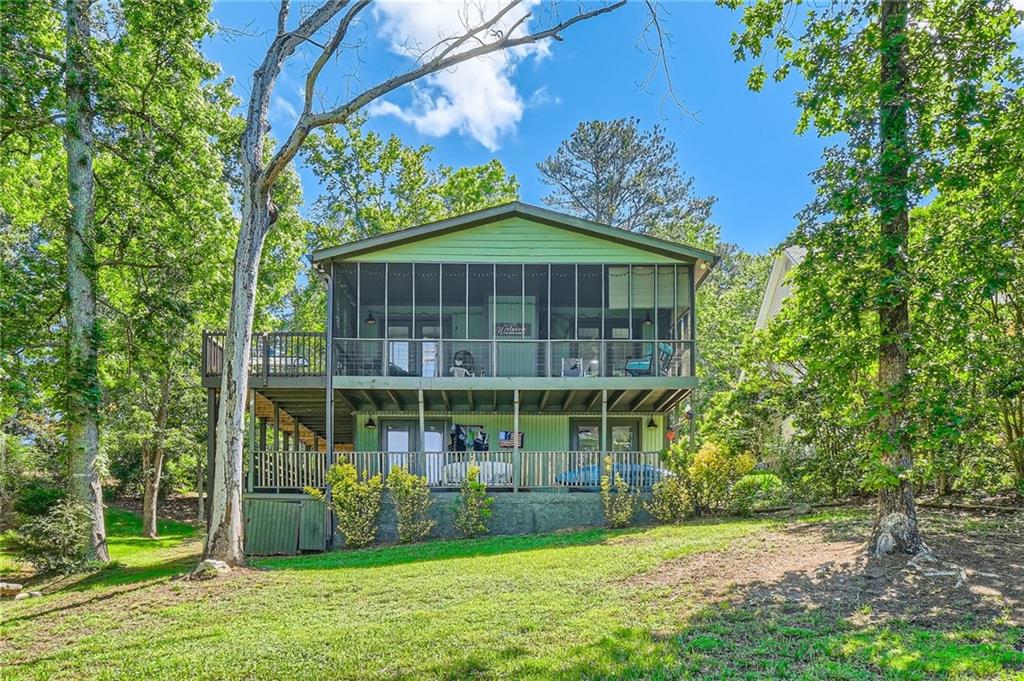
point(896, 520)
point(83, 385)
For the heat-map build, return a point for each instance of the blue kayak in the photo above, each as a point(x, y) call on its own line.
point(635, 475)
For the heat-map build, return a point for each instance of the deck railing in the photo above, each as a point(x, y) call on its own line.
point(277, 353)
point(502, 469)
point(511, 358)
point(296, 354)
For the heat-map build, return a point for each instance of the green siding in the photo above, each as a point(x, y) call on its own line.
point(312, 527)
point(515, 240)
point(271, 527)
point(541, 432)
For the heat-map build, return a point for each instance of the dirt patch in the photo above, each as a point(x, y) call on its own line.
point(806, 565)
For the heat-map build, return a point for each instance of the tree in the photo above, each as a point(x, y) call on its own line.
point(489, 30)
point(616, 174)
point(902, 83)
point(83, 385)
point(161, 218)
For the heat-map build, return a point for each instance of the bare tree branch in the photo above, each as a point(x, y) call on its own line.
point(308, 122)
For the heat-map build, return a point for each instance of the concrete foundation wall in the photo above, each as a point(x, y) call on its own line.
point(522, 513)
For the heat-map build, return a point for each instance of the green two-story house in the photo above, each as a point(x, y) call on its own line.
point(530, 343)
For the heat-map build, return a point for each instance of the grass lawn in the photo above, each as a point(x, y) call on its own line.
point(594, 604)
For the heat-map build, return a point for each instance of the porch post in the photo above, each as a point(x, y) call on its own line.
point(423, 426)
point(211, 449)
point(252, 437)
point(277, 427)
point(604, 430)
point(517, 462)
point(329, 400)
point(263, 434)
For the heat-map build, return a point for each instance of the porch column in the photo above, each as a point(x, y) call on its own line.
point(517, 462)
point(252, 438)
point(277, 427)
point(211, 450)
point(423, 427)
point(298, 434)
point(604, 434)
point(263, 434)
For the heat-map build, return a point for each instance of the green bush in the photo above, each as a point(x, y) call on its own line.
point(57, 541)
point(356, 503)
point(713, 473)
point(618, 502)
point(37, 497)
point(757, 491)
point(411, 494)
point(670, 500)
point(473, 507)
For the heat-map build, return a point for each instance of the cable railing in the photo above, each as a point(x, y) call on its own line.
point(300, 354)
point(458, 358)
point(501, 469)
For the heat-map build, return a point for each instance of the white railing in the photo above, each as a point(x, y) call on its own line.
point(289, 470)
point(499, 469)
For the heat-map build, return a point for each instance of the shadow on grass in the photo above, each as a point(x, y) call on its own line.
point(439, 550)
point(860, 619)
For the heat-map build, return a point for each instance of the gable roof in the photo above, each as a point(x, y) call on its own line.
point(521, 210)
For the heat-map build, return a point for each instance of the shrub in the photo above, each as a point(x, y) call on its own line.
point(618, 501)
point(713, 473)
point(473, 507)
point(57, 541)
point(37, 497)
point(411, 494)
point(756, 491)
point(356, 503)
point(670, 500)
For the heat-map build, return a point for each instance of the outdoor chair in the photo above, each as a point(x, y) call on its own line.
point(643, 365)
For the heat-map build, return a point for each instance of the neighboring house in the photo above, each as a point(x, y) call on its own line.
point(779, 287)
point(442, 337)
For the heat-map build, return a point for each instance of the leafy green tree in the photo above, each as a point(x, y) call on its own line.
point(903, 84)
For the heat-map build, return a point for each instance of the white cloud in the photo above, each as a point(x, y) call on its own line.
point(282, 109)
point(477, 97)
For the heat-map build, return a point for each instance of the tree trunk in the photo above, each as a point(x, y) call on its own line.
point(225, 539)
point(896, 520)
point(153, 462)
point(82, 387)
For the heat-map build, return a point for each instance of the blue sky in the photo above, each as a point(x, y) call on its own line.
point(738, 145)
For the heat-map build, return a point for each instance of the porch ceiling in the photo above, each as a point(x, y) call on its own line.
point(533, 401)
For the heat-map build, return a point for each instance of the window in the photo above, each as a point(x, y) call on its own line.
point(535, 300)
point(563, 301)
point(642, 299)
point(684, 307)
point(399, 300)
point(666, 301)
point(589, 300)
point(508, 305)
point(481, 290)
point(616, 293)
point(371, 300)
point(346, 289)
point(427, 278)
point(453, 301)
